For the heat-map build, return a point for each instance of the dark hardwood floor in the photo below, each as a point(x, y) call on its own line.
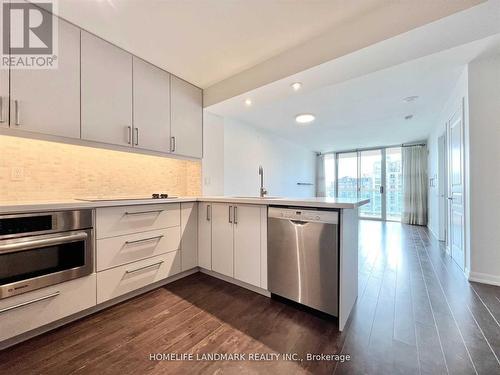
point(415, 313)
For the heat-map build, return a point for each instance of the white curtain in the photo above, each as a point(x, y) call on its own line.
point(320, 176)
point(414, 160)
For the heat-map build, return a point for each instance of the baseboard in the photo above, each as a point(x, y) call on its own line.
point(483, 278)
point(81, 314)
point(236, 282)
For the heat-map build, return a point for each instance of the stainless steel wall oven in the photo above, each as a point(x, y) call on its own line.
point(42, 249)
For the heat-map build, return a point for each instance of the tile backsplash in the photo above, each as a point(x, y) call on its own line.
point(34, 169)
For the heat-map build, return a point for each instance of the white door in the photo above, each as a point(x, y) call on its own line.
point(151, 107)
point(247, 244)
point(106, 76)
point(456, 187)
point(187, 118)
point(189, 235)
point(205, 235)
point(48, 100)
point(222, 238)
point(4, 98)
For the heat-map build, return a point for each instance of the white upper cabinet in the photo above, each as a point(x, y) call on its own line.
point(151, 107)
point(106, 76)
point(4, 98)
point(48, 100)
point(247, 234)
point(187, 119)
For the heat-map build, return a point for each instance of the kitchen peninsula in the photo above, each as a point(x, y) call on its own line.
point(141, 243)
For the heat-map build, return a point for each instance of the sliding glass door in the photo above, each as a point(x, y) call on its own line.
point(372, 174)
point(370, 183)
point(393, 183)
point(347, 176)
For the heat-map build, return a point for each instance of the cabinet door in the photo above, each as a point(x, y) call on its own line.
point(4, 98)
point(189, 235)
point(187, 119)
point(48, 100)
point(247, 236)
point(151, 107)
point(106, 92)
point(222, 239)
point(205, 235)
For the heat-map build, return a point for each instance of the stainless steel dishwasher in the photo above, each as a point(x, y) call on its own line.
point(303, 256)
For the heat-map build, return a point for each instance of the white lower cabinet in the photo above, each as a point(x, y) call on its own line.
point(247, 251)
point(222, 239)
point(123, 220)
point(236, 241)
point(116, 251)
point(189, 235)
point(34, 309)
point(205, 235)
point(127, 278)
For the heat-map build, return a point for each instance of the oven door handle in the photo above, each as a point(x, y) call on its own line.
point(42, 242)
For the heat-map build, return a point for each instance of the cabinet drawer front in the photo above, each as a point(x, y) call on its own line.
point(116, 251)
point(118, 221)
point(46, 305)
point(120, 280)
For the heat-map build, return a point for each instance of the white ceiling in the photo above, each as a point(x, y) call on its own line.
point(205, 41)
point(366, 111)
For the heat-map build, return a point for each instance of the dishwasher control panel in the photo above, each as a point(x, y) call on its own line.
point(299, 214)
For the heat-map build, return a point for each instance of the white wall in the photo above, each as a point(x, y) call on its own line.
point(284, 163)
point(459, 92)
point(480, 86)
point(233, 152)
point(484, 138)
point(212, 166)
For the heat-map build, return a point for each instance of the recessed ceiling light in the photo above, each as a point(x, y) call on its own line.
point(409, 99)
point(248, 102)
point(296, 86)
point(408, 117)
point(305, 118)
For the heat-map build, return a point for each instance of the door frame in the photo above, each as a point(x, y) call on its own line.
point(460, 109)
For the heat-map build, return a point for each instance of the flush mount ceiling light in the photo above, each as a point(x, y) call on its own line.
point(305, 118)
point(248, 102)
point(296, 86)
point(410, 99)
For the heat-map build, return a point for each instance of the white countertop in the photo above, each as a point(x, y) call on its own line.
point(53, 205)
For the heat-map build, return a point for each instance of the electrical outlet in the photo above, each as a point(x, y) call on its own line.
point(207, 181)
point(17, 174)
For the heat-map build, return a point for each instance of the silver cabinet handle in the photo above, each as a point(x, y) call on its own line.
point(144, 240)
point(230, 209)
point(2, 117)
point(39, 242)
point(4, 310)
point(145, 267)
point(172, 144)
point(235, 214)
point(17, 112)
point(144, 212)
point(136, 136)
point(129, 135)
point(209, 212)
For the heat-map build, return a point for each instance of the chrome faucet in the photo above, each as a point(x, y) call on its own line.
point(263, 190)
